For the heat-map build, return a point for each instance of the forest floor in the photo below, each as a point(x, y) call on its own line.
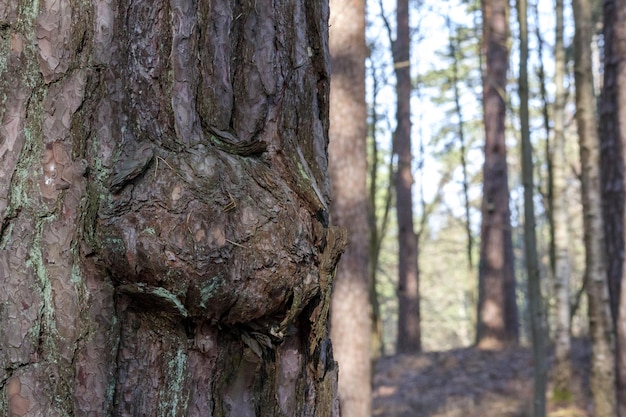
point(472, 383)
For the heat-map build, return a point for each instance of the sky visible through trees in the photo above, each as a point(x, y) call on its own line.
point(429, 45)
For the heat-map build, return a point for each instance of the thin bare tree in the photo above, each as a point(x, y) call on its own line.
point(600, 320)
point(562, 373)
point(535, 300)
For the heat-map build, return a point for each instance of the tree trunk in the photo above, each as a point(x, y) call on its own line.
point(619, 60)
point(530, 240)
point(351, 312)
point(611, 167)
point(164, 239)
point(377, 229)
point(409, 337)
point(562, 372)
point(497, 309)
point(453, 40)
point(549, 148)
point(600, 323)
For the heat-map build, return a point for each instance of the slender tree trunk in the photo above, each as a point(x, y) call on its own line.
point(562, 373)
point(164, 238)
point(409, 338)
point(497, 309)
point(600, 322)
point(612, 168)
point(618, 49)
point(351, 311)
point(374, 248)
point(549, 190)
point(378, 227)
point(452, 39)
point(530, 240)
point(612, 171)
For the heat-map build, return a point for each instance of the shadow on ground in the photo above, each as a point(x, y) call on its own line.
point(471, 383)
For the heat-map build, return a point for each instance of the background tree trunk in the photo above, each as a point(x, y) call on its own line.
point(497, 308)
point(453, 40)
point(618, 49)
point(611, 167)
point(409, 337)
point(612, 176)
point(377, 227)
point(600, 322)
point(351, 323)
point(164, 239)
point(562, 372)
point(535, 300)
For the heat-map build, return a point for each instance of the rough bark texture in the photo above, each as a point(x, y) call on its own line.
point(409, 336)
point(562, 371)
point(351, 313)
point(497, 308)
point(600, 322)
point(164, 238)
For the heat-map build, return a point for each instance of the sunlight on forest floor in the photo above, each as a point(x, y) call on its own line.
point(470, 383)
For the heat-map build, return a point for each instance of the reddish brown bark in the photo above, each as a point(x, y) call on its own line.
point(164, 237)
point(497, 309)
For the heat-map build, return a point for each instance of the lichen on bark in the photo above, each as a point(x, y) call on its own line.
point(164, 241)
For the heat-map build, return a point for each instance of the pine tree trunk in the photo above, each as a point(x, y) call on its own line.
point(409, 337)
point(600, 323)
point(497, 309)
point(164, 239)
point(562, 372)
point(351, 312)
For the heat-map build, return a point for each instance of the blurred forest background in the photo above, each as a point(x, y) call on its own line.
point(516, 124)
point(446, 39)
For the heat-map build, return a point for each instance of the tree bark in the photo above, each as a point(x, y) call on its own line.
point(600, 323)
point(409, 337)
point(351, 323)
point(611, 167)
point(164, 238)
point(497, 308)
point(618, 39)
point(562, 372)
point(530, 240)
